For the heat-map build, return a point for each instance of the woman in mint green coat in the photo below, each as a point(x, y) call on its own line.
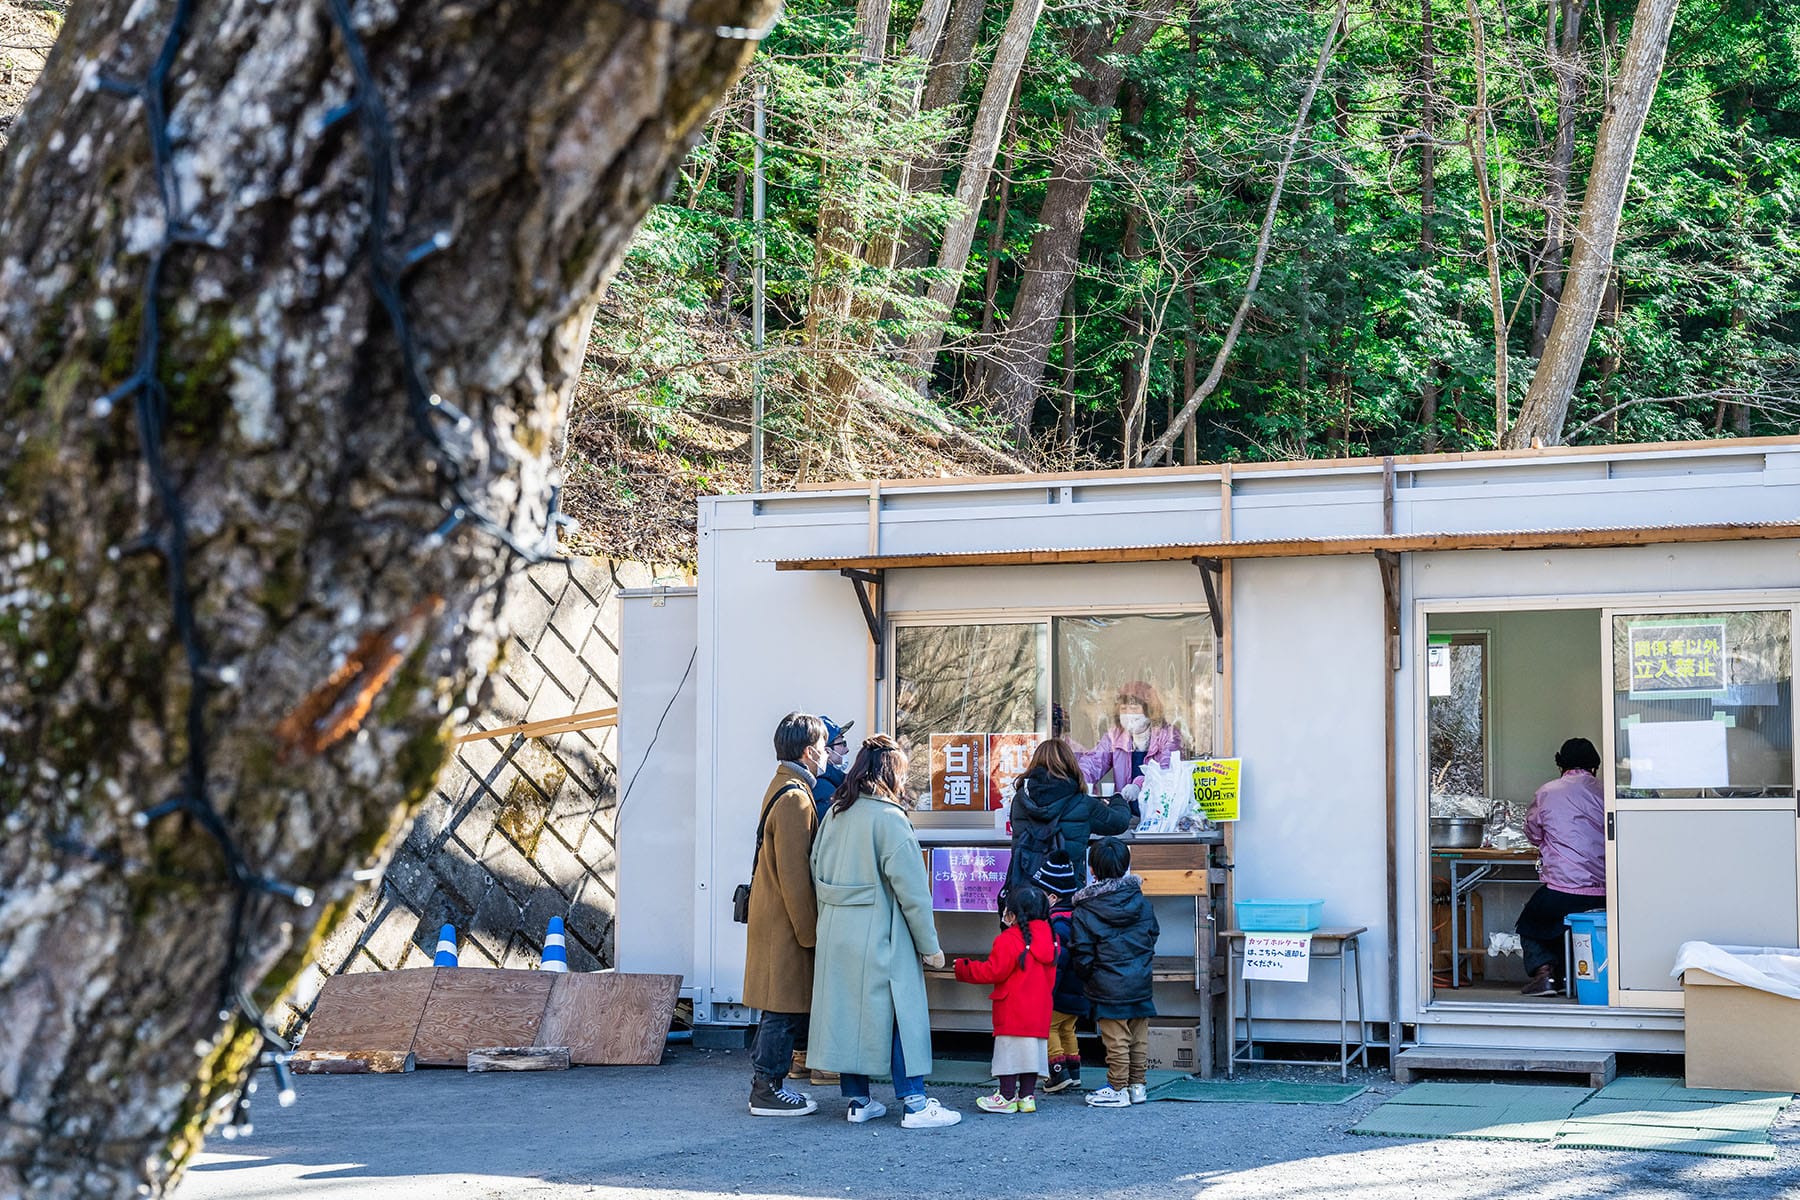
point(869, 1012)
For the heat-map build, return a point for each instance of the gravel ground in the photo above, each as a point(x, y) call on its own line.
point(681, 1130)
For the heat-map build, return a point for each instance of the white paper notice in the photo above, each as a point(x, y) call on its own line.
point(1678, 754)
point(1283, 957)
point(1437, 670)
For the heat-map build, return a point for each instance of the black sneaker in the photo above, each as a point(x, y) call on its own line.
point(767, 1100)
point(1060, 1079)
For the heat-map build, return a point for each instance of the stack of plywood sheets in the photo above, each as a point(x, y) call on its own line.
point(439, 1014)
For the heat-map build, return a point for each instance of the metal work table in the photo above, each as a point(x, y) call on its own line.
point(1469, 869)
point(1327, 945)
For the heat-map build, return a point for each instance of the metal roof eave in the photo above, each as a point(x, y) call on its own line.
point(1514, 539)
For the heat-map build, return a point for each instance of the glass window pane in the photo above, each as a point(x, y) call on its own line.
point(1457, 684)
point(966, 679)
point(1704, 703)
point(1167, 659)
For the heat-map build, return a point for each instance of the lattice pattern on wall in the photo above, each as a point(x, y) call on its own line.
point(518, 829)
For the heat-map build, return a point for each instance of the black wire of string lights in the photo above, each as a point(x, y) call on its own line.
point(436, 419)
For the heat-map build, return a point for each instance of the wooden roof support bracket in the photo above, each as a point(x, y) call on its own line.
point(1210, 571)
point(874, 612)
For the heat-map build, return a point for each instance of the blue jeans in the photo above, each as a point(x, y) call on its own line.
point(856, 1087)
point(772, 1052)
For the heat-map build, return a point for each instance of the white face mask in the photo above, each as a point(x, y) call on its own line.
point(1134, 723)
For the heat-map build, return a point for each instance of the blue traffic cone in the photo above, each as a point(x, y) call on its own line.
point(446, 947)
point(556, 953)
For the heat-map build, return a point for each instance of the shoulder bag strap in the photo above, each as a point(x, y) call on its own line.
point(763, 821)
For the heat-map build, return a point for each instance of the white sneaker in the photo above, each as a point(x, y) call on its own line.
point(932, 1116)
point(865, 1110)
point(1109, 1097)
point(1139, 1093)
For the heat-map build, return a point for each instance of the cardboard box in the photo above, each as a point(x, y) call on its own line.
point(1740, 1037)
point(1174, 1044)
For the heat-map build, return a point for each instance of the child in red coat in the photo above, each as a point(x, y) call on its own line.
point(1022, 968)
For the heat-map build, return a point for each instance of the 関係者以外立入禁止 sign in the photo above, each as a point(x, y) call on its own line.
point(1676, 660)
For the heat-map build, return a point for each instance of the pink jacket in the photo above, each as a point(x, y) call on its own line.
point(1567, 822)
point(1114, 754)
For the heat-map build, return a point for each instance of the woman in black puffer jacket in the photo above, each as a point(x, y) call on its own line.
point(1052, 811)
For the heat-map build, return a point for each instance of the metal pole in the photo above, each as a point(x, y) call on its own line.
point(756, 301)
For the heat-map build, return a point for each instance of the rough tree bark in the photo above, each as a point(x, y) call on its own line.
point(1546, 405)
point(341, 638)
point(1022, 346)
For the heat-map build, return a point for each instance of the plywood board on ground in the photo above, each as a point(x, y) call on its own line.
point(611, 1019)
point(377, 1010)
point(483, 1006)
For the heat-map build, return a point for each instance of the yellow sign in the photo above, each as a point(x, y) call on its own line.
point(1216, 783)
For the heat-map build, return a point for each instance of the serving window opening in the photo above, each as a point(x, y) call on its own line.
point(973, 700)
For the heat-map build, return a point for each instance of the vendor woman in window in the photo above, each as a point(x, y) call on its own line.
point(1567, 823)
point(1140, 733)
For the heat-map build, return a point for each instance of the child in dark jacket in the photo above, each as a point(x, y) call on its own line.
point(1114, 947)
point(1068, 1002)
point(1021, 966)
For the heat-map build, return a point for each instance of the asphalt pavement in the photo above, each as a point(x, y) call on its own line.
point(681, 1130)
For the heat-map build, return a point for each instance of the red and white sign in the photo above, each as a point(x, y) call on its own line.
point(1009, 754)
point(958, 772)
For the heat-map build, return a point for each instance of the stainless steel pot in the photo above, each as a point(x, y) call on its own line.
point(1457, 833)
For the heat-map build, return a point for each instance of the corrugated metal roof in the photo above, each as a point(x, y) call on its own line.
point(1327, 544)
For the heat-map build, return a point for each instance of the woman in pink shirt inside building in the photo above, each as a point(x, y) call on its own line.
point(1567, 823)
point(1140, 733)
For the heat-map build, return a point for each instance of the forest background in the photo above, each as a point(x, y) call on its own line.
point(1014, 235)
point(1010, 233)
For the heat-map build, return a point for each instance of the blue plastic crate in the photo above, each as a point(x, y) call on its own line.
point(1279, 916)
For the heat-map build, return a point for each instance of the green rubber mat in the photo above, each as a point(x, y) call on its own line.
point(1661, 1114)
point(1578, 1136)
point(1483, 1111)
point(1265, 1091)
point(1657, 1088)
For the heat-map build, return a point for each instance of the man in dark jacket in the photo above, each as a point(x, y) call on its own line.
point(837, 749)
point(1114, 950)
point(1068, 1002)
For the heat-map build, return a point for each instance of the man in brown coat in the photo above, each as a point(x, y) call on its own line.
point(778, 962)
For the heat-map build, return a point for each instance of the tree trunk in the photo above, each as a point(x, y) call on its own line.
point(977, 165)
point(838, 242)
point(996, 243)
point(1546, 405)
point(1477, 141)
point(1564, 48)
point(1022, 347)
point(1131, 250)
point(250, 528)
point(943, 87)
point(1429, 385)
point(1216, 374)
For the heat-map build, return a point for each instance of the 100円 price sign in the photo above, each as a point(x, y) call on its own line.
point(1217, 786)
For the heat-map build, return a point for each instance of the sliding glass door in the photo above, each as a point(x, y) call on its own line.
point(1703, 826)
